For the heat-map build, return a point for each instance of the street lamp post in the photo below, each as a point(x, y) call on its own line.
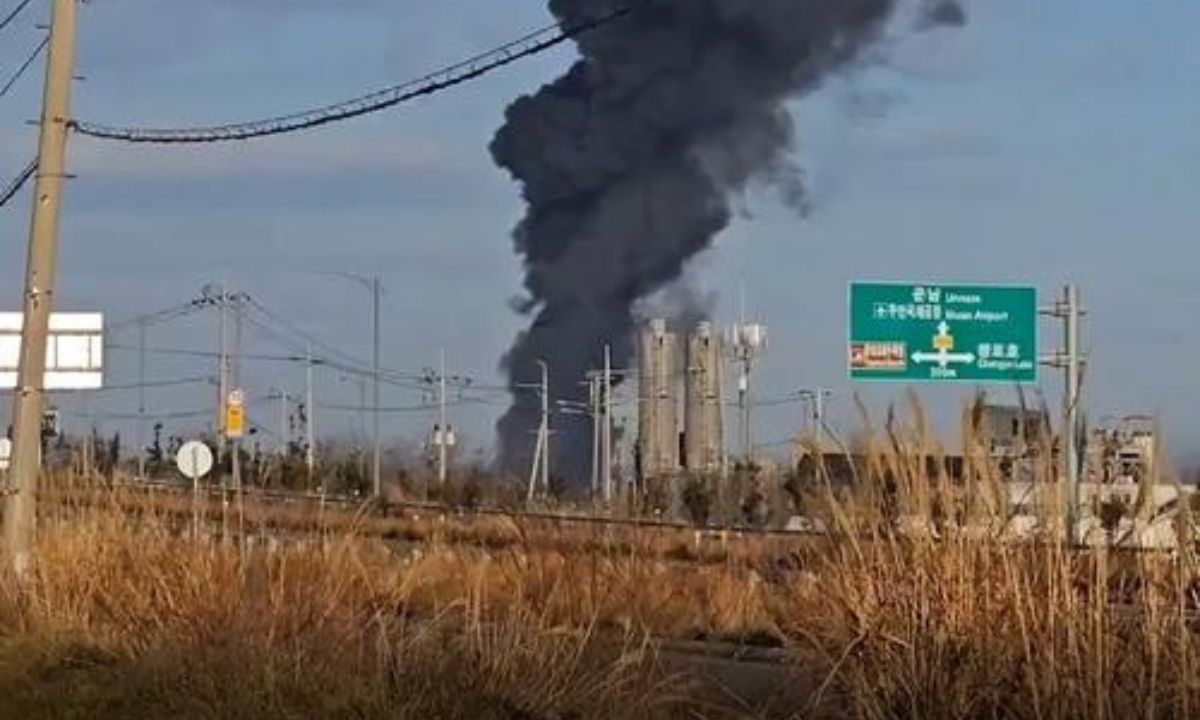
point(373, 285)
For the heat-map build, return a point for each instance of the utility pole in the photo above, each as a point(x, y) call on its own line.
point(20, 508)
point(1071, 403)
point(376, 451)
point(606, 437)
point(1069, 310)
point(237, 383)
point(141, 423)
point(222, 382)
point(443, 437)
point(283, 423)
point(310, 458)
point(744, 402)
point(541, 453)
point(594, 411)
point(817, 397)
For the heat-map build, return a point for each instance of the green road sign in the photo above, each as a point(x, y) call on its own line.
point(942, 333)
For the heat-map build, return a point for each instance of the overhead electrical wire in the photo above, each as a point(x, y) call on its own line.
point(532, 44)
point(262, 357)
point(25, 66)
point(164, 415)
point(16, 12)
point(307, 339)
point(160, 317)
point(351, 368)
point(346, 363)
point(208, 353)
point(159, 383)
point(422, 407)
point(18, 182)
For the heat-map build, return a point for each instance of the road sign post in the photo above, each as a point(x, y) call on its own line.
point(194, 461)
point(235, 415)
point(943, 333)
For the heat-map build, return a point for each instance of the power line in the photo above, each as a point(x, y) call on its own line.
point(162, 316)
point(306, 338)
point(164, 415)
point(208, 353)
point(18, 182)
point(25, 66)
point(20, 8)
point(357, 369)
point(532, 44)
point(262, 357)
point(423, 407)
point(347, 363)
point(158, 383)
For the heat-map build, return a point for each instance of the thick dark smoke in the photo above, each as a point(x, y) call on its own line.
point(943, 12)
point(629, 163)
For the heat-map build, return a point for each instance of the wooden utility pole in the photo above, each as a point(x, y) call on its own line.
point(20, 508)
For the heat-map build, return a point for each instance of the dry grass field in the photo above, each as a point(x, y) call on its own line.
point(126, 615)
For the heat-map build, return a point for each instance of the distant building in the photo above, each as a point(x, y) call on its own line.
point(1011, 432)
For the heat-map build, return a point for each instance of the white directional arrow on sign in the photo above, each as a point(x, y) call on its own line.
point(943, 358)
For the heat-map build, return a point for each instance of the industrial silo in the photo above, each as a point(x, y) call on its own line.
point(658, 423)
point(704, 425)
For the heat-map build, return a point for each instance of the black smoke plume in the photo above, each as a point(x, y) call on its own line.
point(629, 162)
point(942, 12)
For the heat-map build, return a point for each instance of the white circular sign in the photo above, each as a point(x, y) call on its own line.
point(194, 459)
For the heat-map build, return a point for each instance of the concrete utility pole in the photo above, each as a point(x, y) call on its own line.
point(817, 397)
point(594, 411)
point(283, 423)
point(237, 383)
point(222, 381)
point(541, 453)
point(443, 437)
point(310, 452)
point(606, 432)
point(141, 422)
point(20, 509)
point(376, 450)
point(1071, 402)
point(1069, 310)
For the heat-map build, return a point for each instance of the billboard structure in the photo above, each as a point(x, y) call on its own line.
point(74, 352)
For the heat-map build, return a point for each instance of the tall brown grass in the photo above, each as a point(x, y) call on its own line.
point(123, 622)
point(917, 603)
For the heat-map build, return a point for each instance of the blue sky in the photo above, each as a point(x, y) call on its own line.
point(1047, 141)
